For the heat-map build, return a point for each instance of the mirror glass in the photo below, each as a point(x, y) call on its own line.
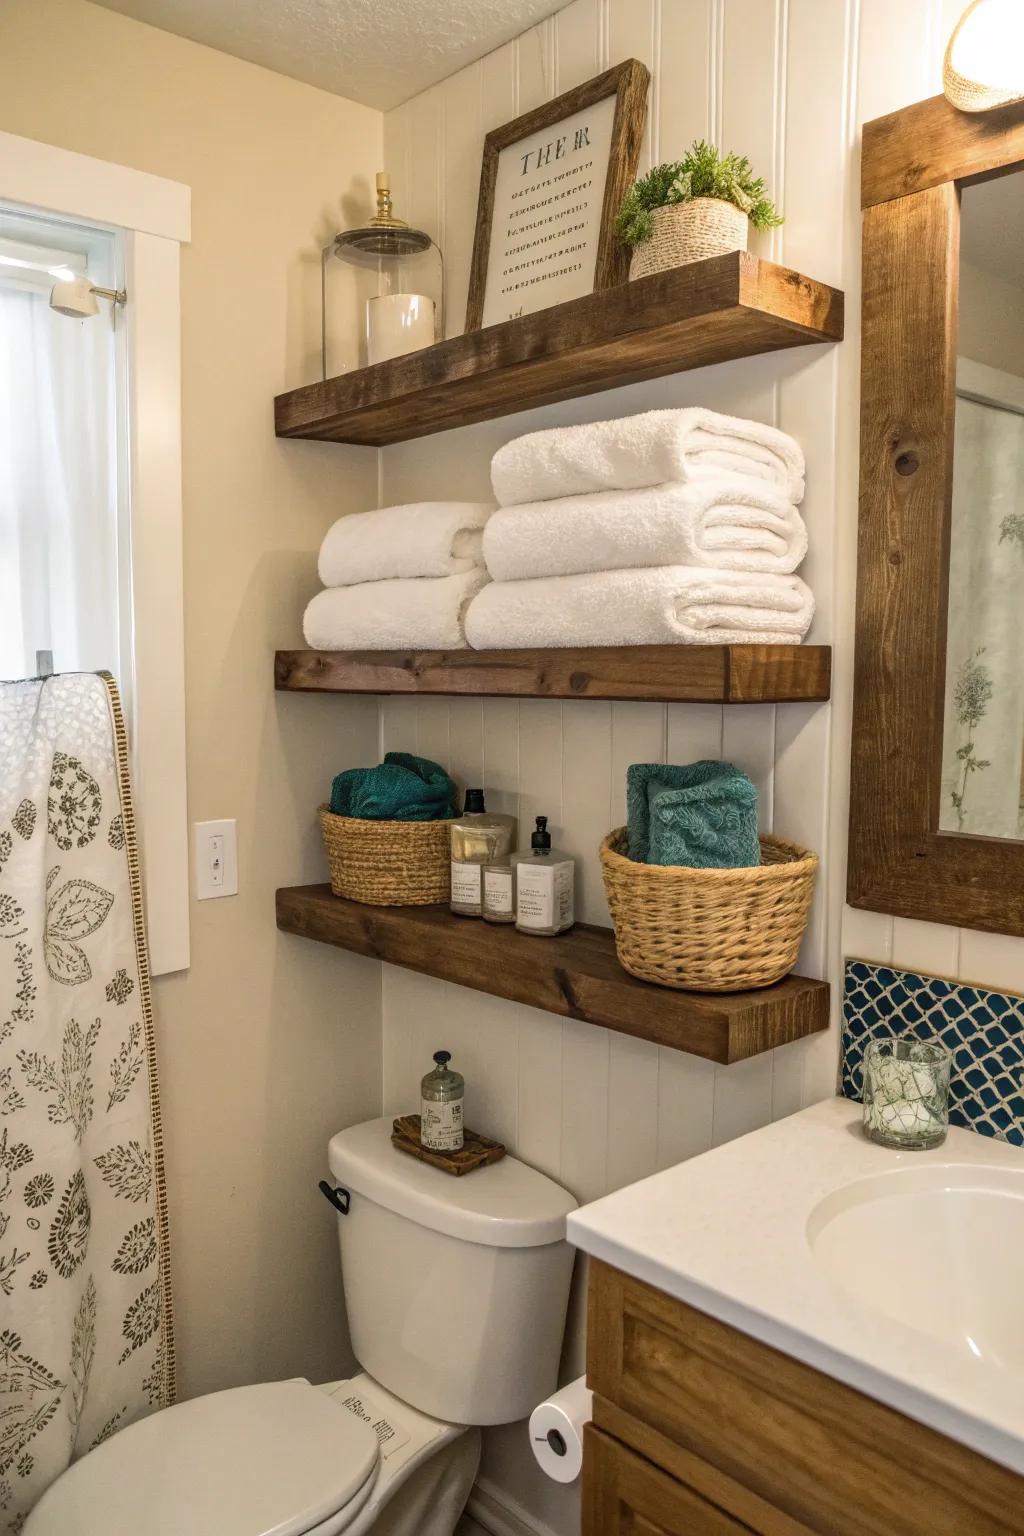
point(983, 733)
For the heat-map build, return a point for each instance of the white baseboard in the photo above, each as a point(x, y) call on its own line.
point(501, 1515)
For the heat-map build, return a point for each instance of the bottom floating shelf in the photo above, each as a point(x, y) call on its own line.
point(576, 975)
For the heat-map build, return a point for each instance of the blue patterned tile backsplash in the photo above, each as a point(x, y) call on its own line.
point(983, 1030)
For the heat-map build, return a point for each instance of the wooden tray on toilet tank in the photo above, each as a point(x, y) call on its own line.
point(476, 1150)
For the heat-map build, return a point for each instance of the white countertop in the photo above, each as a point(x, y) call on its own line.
point(727, 1232)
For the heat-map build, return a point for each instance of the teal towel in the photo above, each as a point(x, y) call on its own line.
point(703, 816)
point(401, 788)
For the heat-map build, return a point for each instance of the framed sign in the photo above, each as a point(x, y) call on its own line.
point(551, 184)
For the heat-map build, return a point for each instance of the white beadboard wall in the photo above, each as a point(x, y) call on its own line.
point(787, 82)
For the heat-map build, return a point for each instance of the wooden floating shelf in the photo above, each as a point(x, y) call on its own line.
point(688, 674)
point(707, 312)
point(576, 975)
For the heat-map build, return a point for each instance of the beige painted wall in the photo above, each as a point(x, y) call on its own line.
point(268, 1045)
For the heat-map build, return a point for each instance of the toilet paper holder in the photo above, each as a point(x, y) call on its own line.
point(557, 1429)
point(556, 1440)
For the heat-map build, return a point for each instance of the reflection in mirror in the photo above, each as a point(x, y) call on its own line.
point(983, 736)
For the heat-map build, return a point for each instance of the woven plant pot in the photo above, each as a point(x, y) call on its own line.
point(709, 930)
point(684, 232)
point(387, 863)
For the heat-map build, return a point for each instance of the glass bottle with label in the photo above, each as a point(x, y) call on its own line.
point(499, 894)
point(478, 837)
point(442, 1093)
point(545, 886)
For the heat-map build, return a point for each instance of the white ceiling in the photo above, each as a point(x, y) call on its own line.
point(379, 52)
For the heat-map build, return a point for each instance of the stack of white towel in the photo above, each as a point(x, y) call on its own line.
point(672, 526)
point(400, 578)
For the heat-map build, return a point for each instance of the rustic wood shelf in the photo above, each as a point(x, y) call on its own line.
point(688, 674)
point(576, 975)
point(707, 312)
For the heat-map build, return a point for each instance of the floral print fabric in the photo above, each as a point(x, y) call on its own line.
point(85, 1326)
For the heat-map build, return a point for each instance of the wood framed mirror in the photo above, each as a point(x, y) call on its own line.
point(937, 770)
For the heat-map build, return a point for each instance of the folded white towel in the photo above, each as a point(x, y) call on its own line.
point(424, 538)
point(727, 523)
point(420, 614)
point(635, 451)
point(658, 606)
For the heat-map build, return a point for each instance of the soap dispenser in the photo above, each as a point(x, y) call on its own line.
point(442, 1095)
point(545, 886)
point(478, 837)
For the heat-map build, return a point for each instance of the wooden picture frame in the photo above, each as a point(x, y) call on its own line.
point(914, 163)
point(627, 83)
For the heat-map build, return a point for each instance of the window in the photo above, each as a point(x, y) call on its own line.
point(64, 557)
point(90, 471)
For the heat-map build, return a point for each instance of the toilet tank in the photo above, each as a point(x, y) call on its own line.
point(456, 1288)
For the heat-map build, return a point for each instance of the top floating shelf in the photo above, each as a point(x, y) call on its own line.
point(707, 312)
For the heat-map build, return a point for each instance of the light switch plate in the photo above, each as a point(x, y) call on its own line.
point(215, 852)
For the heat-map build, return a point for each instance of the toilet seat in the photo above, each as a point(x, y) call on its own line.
point(280, 1459)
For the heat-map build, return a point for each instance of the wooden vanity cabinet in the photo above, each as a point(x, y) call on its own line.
point(699, 1430)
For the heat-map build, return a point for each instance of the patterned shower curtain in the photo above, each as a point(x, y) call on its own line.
point(983, 734)
point(86, 1341)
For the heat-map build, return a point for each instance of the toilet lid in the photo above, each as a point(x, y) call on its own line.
point(272, 1460)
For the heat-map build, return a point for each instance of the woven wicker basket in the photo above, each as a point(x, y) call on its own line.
point(684, 232)
point(709, 930)
point(387, 863)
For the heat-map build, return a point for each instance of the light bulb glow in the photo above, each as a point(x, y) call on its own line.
point(984, 64)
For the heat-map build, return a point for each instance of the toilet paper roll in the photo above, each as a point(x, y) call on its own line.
point(556, 1431)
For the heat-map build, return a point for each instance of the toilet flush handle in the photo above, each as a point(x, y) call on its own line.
point(339, 1198)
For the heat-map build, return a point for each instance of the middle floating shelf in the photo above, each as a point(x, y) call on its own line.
point(680, 674)
point(576, 975)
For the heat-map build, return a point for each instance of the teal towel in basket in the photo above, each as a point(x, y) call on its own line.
point(703, 816)
point(401, 788)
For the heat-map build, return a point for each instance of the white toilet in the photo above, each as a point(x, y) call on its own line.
point(456, 1291)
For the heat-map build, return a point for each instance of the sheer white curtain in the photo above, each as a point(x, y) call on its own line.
point(983, 741)
point(58, 488)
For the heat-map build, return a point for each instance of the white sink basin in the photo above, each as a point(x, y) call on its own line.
point(898, 1273)
point(936, 1248)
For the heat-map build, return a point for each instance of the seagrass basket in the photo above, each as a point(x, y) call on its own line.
point(684, 232)
point(387, 863)
point(709, 930)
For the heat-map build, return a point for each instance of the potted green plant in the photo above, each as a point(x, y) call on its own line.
point(699, 206)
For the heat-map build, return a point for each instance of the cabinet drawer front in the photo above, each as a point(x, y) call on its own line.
point(623, 1495)
point(827, 1456)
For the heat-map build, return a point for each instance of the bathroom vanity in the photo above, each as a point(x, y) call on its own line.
point(801, 1332)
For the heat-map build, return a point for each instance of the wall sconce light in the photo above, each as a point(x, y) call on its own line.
point(984, 63)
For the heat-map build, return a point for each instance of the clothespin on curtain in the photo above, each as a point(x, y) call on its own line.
point(44, 663)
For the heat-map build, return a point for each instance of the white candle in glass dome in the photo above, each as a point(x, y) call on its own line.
point(397, 323)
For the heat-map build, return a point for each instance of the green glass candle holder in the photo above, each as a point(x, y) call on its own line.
point(906, 1093)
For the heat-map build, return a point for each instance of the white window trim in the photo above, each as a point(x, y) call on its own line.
point(154, 216)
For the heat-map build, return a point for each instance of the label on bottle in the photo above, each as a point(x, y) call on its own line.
point(565, 895)
point(498, 892)
point(466, 885)
point(441, 1125)
point(545, 895)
